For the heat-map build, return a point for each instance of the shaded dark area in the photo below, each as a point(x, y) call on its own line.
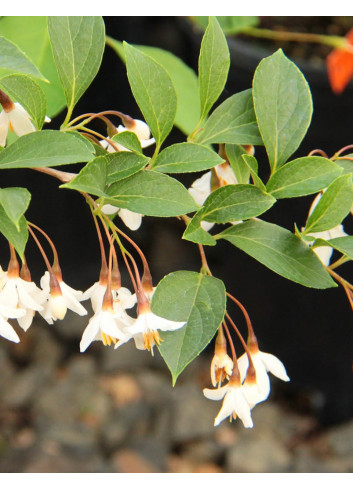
point(309, 330)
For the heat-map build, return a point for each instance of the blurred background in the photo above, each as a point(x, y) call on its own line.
point(116, 411)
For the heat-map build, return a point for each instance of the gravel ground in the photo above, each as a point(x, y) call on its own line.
point(116, 411)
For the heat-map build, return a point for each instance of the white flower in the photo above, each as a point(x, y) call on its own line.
point(325, 252)
point(96, 293)
point(221, 368)
point(131, 219)
point(18, 293)
point(147, 324)
point(6, 330)
point(263, 363)
point(103, 326)
point(57, 304)
point(18, 120)
point(142, 131)
point(234, 403)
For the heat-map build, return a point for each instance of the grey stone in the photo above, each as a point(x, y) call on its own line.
point(25, 386)
point(340, 439)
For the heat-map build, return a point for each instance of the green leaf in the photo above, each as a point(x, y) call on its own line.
point(184, 79)
point(333, 206)
point(280, 251)
point(15, 202)
point(232, 122)
point(231, 24)
point(343, 244)
point(214, 63)
point(13, 60)
point(251, 163)
point(17, 235)
point(45, 148)
point(235, 203)
point(186, 157)
point(92, 178)
point(33, 38)
point(303, 176)
point(129, 140)
point(78, 45)
point(151, 193)
point(345, 164)
point(28, 93)
point(198, 299)
point(283, 106)
point(153, 91)
point(234, 154)
point(195, 233)
point(124, 164)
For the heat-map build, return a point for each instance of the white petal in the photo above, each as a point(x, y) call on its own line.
point(156, 322)
point(131, 219)
point(70, 295)
point(145, 143)
point(126, 298)
point(141, 130)
point(225, 172)
point(9, 294)
point(20, 120)
point(206, 225)
point(25, 299)
point(47, 119)
point(57, 306)
point(242, 408)
point(90, 333)
point(109, 326)
point(274, 365)
point(201, 188)
point(11, 312)
point(226, 410)
point(216, 394)
point(26, 321)
point(7, 331)
point(109, 209)
point(4, 127)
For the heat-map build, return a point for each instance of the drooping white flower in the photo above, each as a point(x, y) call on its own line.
point(16, 119)
point(263, 363)
point(6, 330)
point(221, 367)
point(142, 131)
point(71, 296)
point(131, 219)
point(147, 324)
point(18, 293)
point(106, 326)
point(234, 403)
point(325, 252)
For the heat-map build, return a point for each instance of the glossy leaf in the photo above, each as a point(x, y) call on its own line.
point(15, 201)
point(92, 178)
point(283, 106)
point(235, 203)
point(232, 122)
point(153, 91)
point(184, 79)
point(251, 163)
point(231, 24)
point(240, 169)
point(195, 233)
point(78, 45)
point(124, 164)
point(186, 157)
point(303, 176)
point(28, 93)
point(279, 250)
point(198, 299)
point(128, 140)
point(46, 148)
point(214, 63)
point(333, 206)
point(151, 193)
point(17, 235)
point(14, 60)
point(33, 38)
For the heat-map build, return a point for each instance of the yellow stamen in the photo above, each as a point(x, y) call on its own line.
point(108, 340)
point(11, 126)
point(150, 339)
